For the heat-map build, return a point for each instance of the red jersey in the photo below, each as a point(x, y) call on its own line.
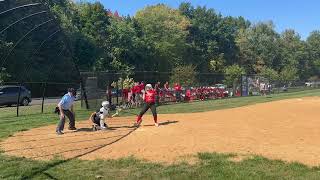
point(150, 96)
point(141, 87)
point(135, 89)
point(177, 87)
point(188, 93)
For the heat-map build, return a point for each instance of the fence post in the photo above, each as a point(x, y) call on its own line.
point(84, 93)
point(122, 98)
point(43, 94)
point(117, 92)
point(81, 94)
point(109, 95)
point(18, 100)
point(241, 88)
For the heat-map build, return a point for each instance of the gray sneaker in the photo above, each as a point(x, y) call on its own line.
point(59, 133)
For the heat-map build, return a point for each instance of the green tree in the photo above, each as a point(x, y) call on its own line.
point(35, 55)
point(211, 39)
point(288, 74)
point(313, 48)
point(4, 48)
point(124, 50)
point(259, 47)
point(294, 53)
point(166, 29)
point(233, 75)
point(184, 75)
point(125, 83)
point(270, 74)
point(4, 76)
point(157, 38)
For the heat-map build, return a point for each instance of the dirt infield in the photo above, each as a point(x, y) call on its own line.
point(287, 130)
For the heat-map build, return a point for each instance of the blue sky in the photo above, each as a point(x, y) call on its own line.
point(302, 16)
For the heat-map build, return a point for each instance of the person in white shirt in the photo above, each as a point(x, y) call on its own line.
point(99, 117)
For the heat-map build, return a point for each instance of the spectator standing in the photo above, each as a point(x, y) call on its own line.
point(166, 90)
point(157, 89)
point(137, 93)
point(177, 89)
point(188, 95)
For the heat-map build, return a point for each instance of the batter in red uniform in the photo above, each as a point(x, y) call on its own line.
point(150, 103)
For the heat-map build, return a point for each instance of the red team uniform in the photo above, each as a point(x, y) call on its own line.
point(150, 101)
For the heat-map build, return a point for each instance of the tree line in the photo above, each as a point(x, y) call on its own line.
point(157, 38)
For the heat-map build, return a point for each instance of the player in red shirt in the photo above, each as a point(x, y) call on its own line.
point(135, 93)
point(188, 95)
point(141, 86)
point(177, 89)
point(150, 102)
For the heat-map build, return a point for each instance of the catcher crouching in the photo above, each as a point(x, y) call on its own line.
point(98, 118)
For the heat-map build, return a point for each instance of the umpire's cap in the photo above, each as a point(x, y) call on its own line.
point(72, 91)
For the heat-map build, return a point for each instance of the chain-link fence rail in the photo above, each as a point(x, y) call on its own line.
point(257, 85)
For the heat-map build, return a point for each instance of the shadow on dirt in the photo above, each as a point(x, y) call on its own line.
point(162, 123)
point(42, 170)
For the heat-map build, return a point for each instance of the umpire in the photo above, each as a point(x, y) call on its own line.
point(66, 109)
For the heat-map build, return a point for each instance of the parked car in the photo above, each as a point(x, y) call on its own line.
point(221, 86)
point(312, 84)
point(9, 95)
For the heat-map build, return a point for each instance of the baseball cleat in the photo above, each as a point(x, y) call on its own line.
point(104, 129)
point(137, 124)
point(72, 128)
point(156, 124)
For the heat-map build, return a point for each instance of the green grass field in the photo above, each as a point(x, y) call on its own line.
point(210, 166)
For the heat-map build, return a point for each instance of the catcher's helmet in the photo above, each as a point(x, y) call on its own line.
point(105, 104)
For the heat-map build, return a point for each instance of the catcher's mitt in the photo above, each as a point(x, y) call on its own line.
point(57, 110)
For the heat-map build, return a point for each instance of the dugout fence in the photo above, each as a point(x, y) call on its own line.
point(116, 87)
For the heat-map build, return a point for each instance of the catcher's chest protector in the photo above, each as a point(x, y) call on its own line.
point(95, 118)
point(103, 113)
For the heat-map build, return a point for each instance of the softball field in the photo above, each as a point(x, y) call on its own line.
point(288, 130)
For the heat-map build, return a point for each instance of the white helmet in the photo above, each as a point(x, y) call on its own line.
point(148, 86)
point(105, 104)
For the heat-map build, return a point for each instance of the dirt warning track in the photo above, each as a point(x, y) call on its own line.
point(287, 130)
